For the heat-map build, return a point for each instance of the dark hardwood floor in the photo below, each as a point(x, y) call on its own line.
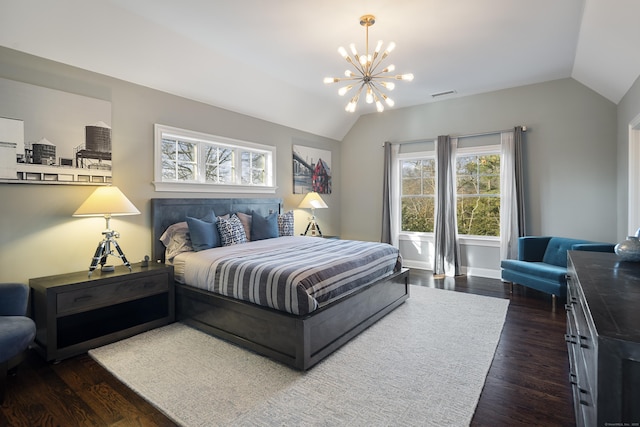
point(526, 385)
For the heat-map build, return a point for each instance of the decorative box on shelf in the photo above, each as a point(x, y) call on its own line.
point(74, 312)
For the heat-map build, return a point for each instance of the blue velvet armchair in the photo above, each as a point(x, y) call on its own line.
point(542, 262)
point(16, 330)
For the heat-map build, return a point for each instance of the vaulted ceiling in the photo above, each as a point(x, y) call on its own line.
point(267, 59)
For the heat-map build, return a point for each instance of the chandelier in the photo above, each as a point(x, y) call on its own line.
point(368, 76)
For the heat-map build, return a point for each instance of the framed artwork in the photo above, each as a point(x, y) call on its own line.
point(49, 136)
point(311, 170)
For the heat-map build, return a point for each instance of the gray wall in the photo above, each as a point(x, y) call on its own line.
point(573, 187)
point(570, 157)
point(39, 237)
point(628, 109)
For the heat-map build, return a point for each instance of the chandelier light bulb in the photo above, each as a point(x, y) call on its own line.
point(366, 72)
point(388, 85)
point(344, 90)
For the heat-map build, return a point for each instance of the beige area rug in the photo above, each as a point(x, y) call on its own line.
point(423, 364)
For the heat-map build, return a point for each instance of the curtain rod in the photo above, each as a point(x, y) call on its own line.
point(470, 135)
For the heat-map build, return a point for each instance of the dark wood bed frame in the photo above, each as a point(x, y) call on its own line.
point(297, 341)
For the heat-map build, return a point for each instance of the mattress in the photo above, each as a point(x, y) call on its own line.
point(295, 274)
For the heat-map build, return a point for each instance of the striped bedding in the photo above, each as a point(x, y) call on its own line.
point(295, 274)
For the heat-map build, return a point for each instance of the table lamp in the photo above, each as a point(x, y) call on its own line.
point(107, 201)
point(312, 201)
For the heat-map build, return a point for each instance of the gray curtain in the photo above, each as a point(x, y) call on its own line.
point(447, 248)
point(518, 135)
point(386, 195)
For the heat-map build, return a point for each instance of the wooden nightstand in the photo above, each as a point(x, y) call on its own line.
point(75, 313)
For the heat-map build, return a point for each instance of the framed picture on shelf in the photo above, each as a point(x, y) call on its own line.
point(49, 136)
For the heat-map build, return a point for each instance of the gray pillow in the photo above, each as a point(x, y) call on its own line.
point(263, 227)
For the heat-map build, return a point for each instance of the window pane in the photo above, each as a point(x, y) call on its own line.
point(218, 164)
point(168, 149)
point(186, 172)
point(168, 170)
point(479, 216)
point(411, 168)
point(412, 187)
point(417, 214)
point(168, 159)
point(253, 168)
point(186, 151)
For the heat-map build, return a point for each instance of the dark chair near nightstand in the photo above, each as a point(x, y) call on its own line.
point(17, 331)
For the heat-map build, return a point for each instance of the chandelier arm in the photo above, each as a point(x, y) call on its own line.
point(375, 64)
point(358, 66)
point(382, 75)
point(344, 79)
point(354, 62)
point(356, 97)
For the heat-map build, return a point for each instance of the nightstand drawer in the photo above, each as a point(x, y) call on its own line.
point(102, 295)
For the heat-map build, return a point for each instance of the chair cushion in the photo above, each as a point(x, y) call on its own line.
point(540, 269)
point(16, 333)
point(557, 248)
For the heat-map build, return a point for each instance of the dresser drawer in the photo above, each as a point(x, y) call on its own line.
point(112, 293)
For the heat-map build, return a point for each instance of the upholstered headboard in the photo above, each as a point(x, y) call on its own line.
point(165, 212)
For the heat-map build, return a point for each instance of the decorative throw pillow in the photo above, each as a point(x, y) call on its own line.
point(176, 240)
point(231, 231)
point(204, 232)
point(177, 228)
point(246, 223)
point(263, 227)
point(285, 224)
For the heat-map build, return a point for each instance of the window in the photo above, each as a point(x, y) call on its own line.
point(478, 191)
point(418, 187)
point(478, 194)
point(193, 161)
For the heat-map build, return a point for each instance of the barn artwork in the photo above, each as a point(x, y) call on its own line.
point(311, 170)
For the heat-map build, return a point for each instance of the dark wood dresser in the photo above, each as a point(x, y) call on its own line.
point(603, 338)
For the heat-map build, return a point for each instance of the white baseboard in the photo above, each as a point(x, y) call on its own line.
point(469, 271)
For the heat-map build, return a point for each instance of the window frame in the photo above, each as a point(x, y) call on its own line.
point(428, 236)
point(423, 155)
point(481, 150)
point(199, 184)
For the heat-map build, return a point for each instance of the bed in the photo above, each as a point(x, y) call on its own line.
point(298, 340)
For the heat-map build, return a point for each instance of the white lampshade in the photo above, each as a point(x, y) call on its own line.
point(312, 201)
point(106, 201)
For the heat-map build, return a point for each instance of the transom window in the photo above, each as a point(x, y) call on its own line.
point(193, 161)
